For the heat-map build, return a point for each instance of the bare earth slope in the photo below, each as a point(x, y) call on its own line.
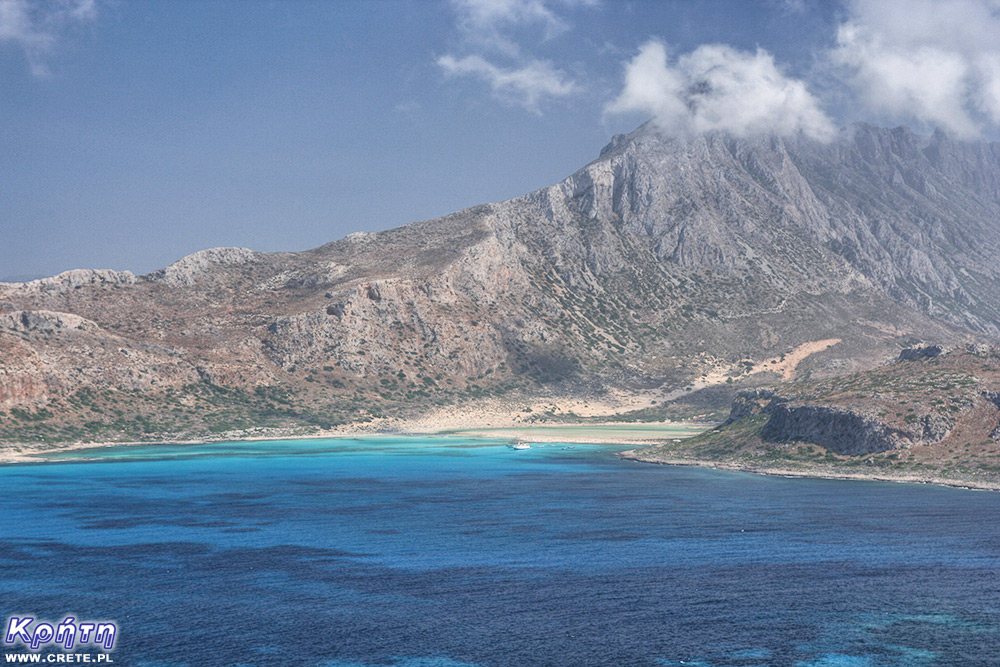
point(662, 265)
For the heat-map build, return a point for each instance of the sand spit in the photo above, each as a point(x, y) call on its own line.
point(493, 422)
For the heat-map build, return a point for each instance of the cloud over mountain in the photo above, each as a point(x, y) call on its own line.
point(935, 61)
point(716, 87)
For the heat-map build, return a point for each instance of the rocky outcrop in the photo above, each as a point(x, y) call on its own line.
point(993, 397)
point(379, 324)
point(933, 428)
point(73, 279)
point(48, 354)
point(21, 389)
point(44, 320)
point(188, 270)
point(749, 403)
point(845, 431)
point(838, 430)
point(924, 352)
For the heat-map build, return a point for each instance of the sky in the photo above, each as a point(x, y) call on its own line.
point(134, 132)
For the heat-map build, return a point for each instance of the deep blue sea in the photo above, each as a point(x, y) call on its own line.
point(423, 552)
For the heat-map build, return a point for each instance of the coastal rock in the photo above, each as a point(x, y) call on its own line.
point(845, 431)
point(838, 430)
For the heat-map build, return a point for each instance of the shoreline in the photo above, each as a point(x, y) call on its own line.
point(774, 471)
point(526, 433)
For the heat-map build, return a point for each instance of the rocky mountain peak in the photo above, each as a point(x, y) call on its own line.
point(882, 206)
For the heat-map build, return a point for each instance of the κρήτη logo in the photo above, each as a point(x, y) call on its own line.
point(66, 634)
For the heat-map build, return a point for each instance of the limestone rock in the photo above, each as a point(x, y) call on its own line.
point(188, 270)
point(72, 279)
point(44, 320)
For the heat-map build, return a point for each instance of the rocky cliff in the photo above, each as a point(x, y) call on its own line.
point(845, 431)
point(660, 264)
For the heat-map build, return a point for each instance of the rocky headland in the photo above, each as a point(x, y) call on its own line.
point(930, 415)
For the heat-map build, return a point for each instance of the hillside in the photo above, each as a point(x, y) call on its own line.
point(931, 415)
point(661, 266)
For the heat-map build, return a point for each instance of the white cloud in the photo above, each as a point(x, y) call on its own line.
point(18, 25)
point(524, 85)
point(791, 6)
point(37, 25)
point(988, 66)
point(488, 23)
point(936, 61)
point(494, 33)
point(716, 87)
point(485, 22)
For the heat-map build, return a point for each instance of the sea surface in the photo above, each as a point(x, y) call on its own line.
point(452, 552)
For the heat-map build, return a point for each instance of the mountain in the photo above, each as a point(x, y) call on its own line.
point(663, 265)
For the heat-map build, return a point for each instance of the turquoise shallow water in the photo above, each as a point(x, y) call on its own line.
point(444, 551)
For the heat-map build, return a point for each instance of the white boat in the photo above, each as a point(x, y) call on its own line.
point(520, 445)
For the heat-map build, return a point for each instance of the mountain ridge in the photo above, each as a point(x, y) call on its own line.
point(657, 263)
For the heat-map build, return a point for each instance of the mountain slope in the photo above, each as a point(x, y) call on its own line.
point(659, 263)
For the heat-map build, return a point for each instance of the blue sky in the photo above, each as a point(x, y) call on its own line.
point(135, 132)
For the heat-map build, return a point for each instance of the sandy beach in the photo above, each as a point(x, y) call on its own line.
point(519, 421)
point(613, 433)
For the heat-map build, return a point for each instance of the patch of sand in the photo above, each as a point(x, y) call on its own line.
point(512, 413)
point(787, 365)
point(610, 433)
